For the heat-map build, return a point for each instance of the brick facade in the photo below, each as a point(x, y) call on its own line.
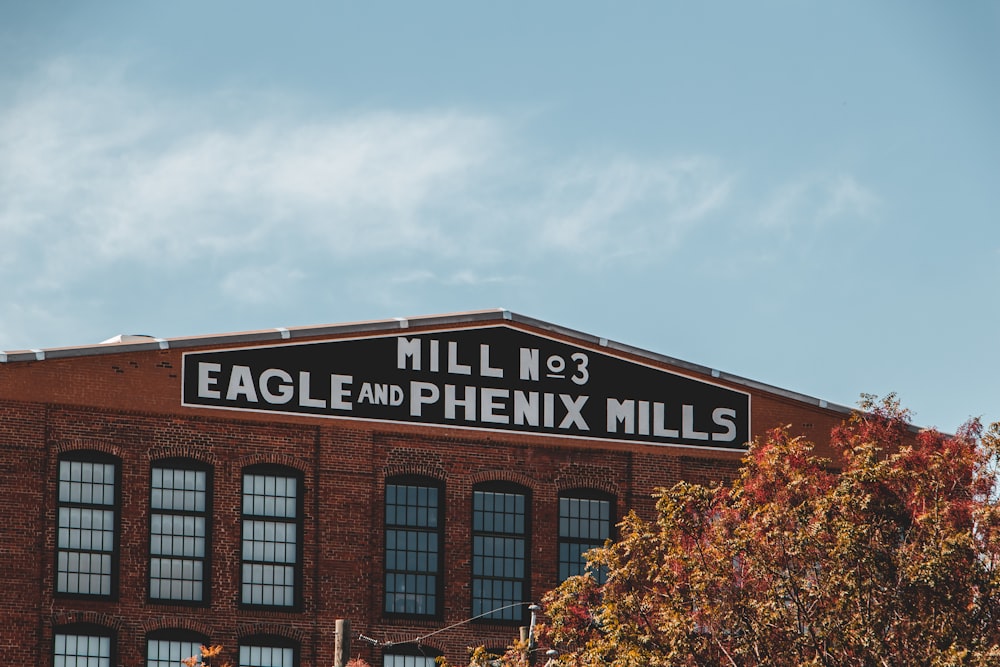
point(124, 401)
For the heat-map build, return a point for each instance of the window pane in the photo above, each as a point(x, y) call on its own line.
point(73, 650)
point(178, 533)
point(411, 549)
point(584, 523)
point(266, 656)
point(170, 653)
point(270, 540)
point(498, 555)
point(407, 661)
point(86, 528)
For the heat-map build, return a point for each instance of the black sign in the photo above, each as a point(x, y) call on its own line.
point(496, 378)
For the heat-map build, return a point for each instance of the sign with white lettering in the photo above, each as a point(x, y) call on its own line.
point(495, 377)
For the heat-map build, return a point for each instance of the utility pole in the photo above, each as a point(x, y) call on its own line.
point(528, 633)
point(342, 643)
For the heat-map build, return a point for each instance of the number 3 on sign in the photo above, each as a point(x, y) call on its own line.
point(582, 374)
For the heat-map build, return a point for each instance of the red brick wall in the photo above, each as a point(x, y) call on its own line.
point(129, 405)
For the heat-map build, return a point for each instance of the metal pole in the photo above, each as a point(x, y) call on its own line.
point(342, 643)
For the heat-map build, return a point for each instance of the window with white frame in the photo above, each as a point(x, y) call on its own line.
point(271, 537)
point(178, 531)
point(87, 516)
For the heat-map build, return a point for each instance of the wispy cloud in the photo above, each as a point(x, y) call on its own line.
point(100, 177)
point(814, 201)
point(100, 163)
point(626, 207)
point(107, 174)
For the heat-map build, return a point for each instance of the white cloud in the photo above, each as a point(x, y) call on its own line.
point(815, 201)
point(626, 207)
point(463, 277)
point(102, 175)
point(100, 178)
point(105, 173)
point(470, 278)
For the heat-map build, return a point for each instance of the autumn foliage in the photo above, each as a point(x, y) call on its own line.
point(892, 561)
point(207, 658)
point(210, 653)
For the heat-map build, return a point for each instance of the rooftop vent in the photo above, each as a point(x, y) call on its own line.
point(128, 338)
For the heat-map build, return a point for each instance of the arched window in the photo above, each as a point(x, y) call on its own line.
point(585, 517)
point(268, 651)
point(414, 525)
point(179, 503)
point(83, 645)
point(87, 514)
point(272, 537)
point(167, 648)
point(500, 530)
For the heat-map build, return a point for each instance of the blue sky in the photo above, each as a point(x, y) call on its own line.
point(803, 193)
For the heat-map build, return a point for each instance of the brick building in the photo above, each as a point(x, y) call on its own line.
point(423, 478)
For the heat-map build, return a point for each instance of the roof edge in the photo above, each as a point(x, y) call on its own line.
point(143, 344)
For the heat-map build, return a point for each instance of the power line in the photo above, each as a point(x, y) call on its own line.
point(418, 640)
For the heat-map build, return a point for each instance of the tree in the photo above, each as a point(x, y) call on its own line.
point(892, 561)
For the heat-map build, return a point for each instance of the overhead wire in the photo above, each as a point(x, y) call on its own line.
point(418, 640)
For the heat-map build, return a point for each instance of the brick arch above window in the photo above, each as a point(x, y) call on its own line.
point(505, 477)
point(429, 471)
point(108, 447)
point(587, 478)
point(182, 452)
point(272, 459)
point(249, 631)
point(91, 618)
point(156, 624)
